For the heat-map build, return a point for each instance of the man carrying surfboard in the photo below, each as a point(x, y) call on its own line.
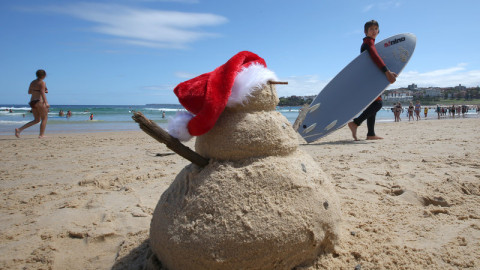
point(371, 30)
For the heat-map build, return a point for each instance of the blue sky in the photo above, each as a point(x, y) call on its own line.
point(134, 52)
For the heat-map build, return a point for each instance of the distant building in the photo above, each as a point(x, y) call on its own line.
point(397, 95)
point(412, 87)
point(460, 87)
point(433, 92)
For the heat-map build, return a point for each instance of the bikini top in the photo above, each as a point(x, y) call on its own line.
point(38, 90)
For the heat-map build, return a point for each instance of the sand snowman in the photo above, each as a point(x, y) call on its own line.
point(260, 203)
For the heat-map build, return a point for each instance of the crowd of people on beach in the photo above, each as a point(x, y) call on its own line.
point(451, 111)
point(443, 111)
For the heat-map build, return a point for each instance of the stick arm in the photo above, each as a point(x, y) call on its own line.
point(159, 134)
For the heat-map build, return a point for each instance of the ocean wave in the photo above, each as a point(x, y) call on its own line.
point(4, 113)
point(288, 110)
point(165, 109)
point(77, 122)
point(65, 113)
point(5, 122)
point(15, 108)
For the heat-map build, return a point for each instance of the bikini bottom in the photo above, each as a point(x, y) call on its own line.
point(33, 102)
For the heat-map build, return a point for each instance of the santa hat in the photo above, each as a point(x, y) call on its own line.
point(206, 96)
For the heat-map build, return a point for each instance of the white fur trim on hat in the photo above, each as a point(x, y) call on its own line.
point(247, 80)
point(177, 126)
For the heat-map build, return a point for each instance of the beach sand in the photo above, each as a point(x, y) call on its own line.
point(85, 201)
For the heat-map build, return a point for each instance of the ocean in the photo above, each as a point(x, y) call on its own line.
point(118, 117)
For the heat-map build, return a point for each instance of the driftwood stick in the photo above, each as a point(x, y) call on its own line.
point(275, 82)
point(159, 134)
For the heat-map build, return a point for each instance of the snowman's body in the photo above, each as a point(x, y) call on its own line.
point(261, 203)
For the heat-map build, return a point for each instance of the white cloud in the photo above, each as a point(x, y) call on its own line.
point(305, 85)
point(382, 6)
point(309, 85)
point(446, 77)
point(167, 89)
point(144, 27)
point(185, 75)
point(368, 8)
point(161, 87)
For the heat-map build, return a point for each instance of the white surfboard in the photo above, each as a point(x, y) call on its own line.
point(354, 88)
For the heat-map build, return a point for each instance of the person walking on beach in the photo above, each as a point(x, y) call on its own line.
point(38, 103)
point(425, 111)
point(371, 29)
point(417, 110)
point(464, 110)
point(410, 111)
point(398, 110)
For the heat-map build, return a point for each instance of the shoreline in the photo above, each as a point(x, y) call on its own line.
point(118, 118)
point(132, 127)
point(85, 200)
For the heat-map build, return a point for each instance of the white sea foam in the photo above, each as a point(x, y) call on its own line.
point(164, 109)
point(4, 122)
point(5, 113)
point(287, 109)
point(15, 108)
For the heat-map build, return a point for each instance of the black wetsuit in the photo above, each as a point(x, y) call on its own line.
point(370, 112)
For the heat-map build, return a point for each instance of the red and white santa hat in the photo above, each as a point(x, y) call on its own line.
point(206, 96)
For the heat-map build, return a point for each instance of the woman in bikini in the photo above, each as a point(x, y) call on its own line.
point(417, 110)
point(38, 103)
point(398, 110)
point(410, 111)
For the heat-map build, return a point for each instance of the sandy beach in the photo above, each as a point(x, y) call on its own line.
point(85, 201)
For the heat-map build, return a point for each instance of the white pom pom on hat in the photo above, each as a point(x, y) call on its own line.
point(247, 80)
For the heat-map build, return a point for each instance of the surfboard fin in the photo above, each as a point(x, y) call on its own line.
point(310, 128)
point(314, 108)
point(331, 125)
